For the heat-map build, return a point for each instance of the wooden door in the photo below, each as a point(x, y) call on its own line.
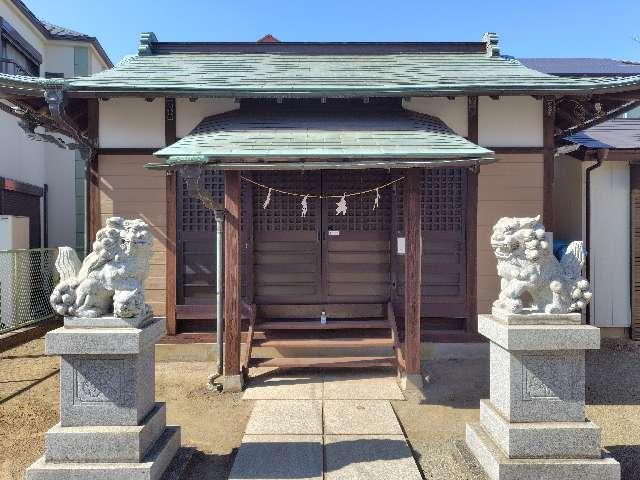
point(356, 246)
point(444, 206)
point(287, 263)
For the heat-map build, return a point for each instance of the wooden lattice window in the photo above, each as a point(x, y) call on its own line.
point(360, 217)
point(195, 217)
point(283, 212)
point(442, 201)
point(443, 194)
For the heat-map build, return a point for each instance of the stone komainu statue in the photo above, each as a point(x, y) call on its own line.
point(532, 280)
point(110, 281)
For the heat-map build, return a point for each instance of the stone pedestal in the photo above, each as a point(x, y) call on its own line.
point(533, 426)
point(110, 425)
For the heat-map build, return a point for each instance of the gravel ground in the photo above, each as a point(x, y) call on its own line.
point(212, 424)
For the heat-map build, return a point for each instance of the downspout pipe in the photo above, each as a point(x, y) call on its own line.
point(601, 155)
point(219, 217)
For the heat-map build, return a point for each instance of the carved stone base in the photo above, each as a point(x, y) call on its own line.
point(110, 426)
point(533, 426)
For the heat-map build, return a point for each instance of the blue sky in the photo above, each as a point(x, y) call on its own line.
point(527, 28)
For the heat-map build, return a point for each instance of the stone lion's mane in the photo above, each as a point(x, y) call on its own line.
point(531, 278)
point(111, 278)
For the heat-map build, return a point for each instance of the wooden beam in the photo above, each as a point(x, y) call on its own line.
point(92, 189)
point(232, 273)
point(412, 271)
point(548, 138)
point(171, 269)
point(472, 224)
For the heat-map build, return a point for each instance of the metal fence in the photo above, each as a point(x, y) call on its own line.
point(27, 278)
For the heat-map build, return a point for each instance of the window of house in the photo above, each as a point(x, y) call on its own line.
point(17, 56)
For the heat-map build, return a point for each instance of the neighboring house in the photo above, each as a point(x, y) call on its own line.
point(37, 179)
point(468, 136)
point(605, 191)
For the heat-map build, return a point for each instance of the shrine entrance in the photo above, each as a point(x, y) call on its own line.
point(322, 257)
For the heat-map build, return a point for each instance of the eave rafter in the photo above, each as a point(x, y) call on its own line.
point(45, 118)
point(576, 113)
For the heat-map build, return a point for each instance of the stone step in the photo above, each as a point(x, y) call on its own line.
point(105, 443)
point(540, 439)
point(499, 467)
point(151, 468)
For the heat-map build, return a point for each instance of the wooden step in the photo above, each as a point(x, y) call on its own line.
point(324, 342)
point(325, 362)
point(316, 325)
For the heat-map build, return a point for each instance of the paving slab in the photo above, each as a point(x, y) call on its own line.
point(285, 387)
point(360, 417)
point(285, 417)
point(361, 386)
point(369, 457)
point(271, 457)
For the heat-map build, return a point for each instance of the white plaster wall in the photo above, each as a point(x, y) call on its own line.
point(20, 158)
point(510, 122)
point(451, 112)
point(189, 114)
point(59, 59)
point(131, 123)
point(59, 174)
point(610, 245)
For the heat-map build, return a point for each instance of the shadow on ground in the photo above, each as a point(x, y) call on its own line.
point(457, 383)
point(613, 373)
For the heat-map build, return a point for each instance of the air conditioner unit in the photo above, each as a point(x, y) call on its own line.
point(15, 288)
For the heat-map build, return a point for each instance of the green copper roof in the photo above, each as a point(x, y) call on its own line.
point(282, 135)
point(20, 85)
point(293, 74)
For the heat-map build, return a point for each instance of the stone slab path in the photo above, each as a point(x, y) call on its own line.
point(324, 426)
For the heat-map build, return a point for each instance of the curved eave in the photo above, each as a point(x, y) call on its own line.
point(601, 87)
point(176, 163)
point(17, 86)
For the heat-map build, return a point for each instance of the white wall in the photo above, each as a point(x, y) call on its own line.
point(610, 245)
point(189, 114)
point(59, 59)
point(451, 112)
point(510, 122)
point(59, 172)
point(20, 158)
point(131, 123)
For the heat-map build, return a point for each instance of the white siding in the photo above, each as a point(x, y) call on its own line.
point(610, 248)
point(510, 122)
point(451, 112)
point(131, 123)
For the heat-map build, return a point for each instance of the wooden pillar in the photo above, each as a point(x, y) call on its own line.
point(171, 258)
point(412, 273)
point(92, 188)
point(232, 377)
point(472, 223)
point(170, 199)
point(548, 132)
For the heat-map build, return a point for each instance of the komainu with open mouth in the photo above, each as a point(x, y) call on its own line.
point(532, 280)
